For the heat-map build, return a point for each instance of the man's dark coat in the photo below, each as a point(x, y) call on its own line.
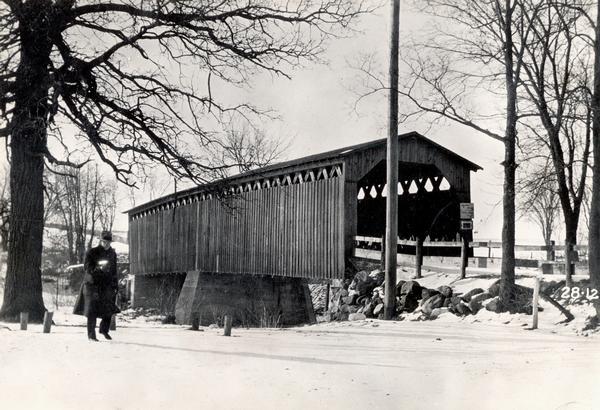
point(100, 284)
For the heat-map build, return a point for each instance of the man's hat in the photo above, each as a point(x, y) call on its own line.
point(106, 235)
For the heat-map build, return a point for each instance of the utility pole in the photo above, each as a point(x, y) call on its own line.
point(391, 221)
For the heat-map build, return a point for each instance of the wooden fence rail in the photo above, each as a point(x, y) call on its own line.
point(370, 242)
point(474, 244)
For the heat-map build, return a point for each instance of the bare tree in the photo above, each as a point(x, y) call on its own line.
point(107, 204)
point(594, 233)
point(479, 48)
point(539, 201)
point(591, 13)
point(84, 202)
point(139, 80)
point(556, 84)
point(248, 146)
point(587, 210)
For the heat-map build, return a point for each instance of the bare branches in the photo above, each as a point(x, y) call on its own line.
point(539, 201)
point(80, 199)
point(140, 80)
point(226, 34)
point(556, 83)
point(63, 163)
point(248, 147)
point(435, 88)
point(446, 98)
point(8, 56)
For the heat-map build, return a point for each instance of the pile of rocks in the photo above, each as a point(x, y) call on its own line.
point(363, 297)
point(360, 298)
point(436, 302)
point(442, 300)
point(318, 293)
point(427, 303)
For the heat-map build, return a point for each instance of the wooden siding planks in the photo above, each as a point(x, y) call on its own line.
point(288, 230)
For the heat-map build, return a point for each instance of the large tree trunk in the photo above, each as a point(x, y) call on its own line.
point(23, 287)
point(570, 242)
point(594, 234)
point(507, 272)
point(4, 238)
point(547, 231)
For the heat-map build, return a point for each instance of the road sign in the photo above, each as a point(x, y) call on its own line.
point(466, 225)
point(467, 210)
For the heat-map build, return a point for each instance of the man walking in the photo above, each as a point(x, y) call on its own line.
point(99, 288)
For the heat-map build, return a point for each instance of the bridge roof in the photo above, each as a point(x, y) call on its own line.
point(332, 156)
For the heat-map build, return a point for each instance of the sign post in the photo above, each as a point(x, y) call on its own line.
point(467, 212)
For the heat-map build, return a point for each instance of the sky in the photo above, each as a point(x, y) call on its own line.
point(316, 110)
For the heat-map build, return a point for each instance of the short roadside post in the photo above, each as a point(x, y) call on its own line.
point(24, 317)
point(195, 321)
point(227, 326)
point(48, 321)
point(534, 303)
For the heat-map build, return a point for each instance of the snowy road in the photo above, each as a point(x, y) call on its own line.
point(357, 365)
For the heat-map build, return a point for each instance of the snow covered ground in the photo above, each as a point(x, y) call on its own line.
point(487, 361)
point(352, 365)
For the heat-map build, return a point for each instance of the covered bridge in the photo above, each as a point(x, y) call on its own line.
point(257, 237)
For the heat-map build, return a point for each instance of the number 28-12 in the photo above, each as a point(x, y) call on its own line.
point(576, 292)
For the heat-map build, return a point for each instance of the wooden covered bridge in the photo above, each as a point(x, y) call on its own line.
point(248, 244)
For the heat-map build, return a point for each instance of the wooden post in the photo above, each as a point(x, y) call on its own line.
point(48, 321)
point(195, 321)
point(464, 256)
point(419, 256)
point(113, 322)
point(383, 253)
point(534, 303)
point(227, 326)
point(391, 221)
point(327, 298)
point(24, 319)
point(552, 250)
point(489, 249)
